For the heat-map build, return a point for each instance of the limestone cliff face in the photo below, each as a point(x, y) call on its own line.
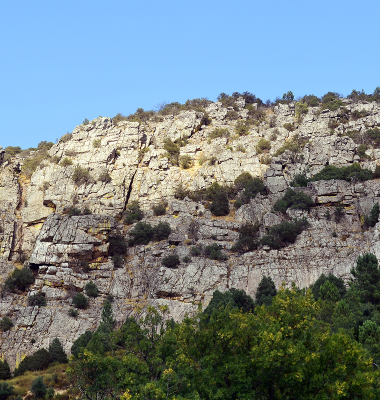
point(34, 225)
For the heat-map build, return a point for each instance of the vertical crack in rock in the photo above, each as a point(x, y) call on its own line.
point(129, 190)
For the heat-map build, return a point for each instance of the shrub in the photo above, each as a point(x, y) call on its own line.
point(5, 371)
point(160, 208)
point(283, 233)
point(66, 162)
point(142, 233)
point(262, 145)
point(172, 151)
point(338, 213)
point(96, 143)
point(73, 312)
point(80, 301)
point(295, 145)
point(57, 354)
point(162, 231)
point(91, 289)
point(185, 161)
point(6, 324)
point(219, 132)
point(299, 180)
point(373, 217)
point(196, 251)
point(180, 192)
point(5, 390)
point(311, 100)
point(118, 245)
point(220, 204)
point(289, 126)
point(242, 180)
point(20, 279)
point(73, 212)
point(272, 122)
point(81, 175)
point(12, 150)
point(214, 252)
point(117, 261)
point(344, 173)
point(171, 261)
point(361, 152)
point(248, 187)
point(133, 213)
point(247, 238)
point(240, 148)
point(331, 101)
point(39, 388)
point(104, 177)
point(293, 200)
point(37, 299)
point(37, 361)
point(301, 110)
point(241, 128)
point(186, 259)
point(80, 344)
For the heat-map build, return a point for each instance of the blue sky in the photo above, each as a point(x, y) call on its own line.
point(64, 61)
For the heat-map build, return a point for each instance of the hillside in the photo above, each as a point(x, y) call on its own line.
point(68, 210)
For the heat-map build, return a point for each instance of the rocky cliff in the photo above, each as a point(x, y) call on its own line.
point(126, 161)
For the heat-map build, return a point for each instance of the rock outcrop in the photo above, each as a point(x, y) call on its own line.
point(102, 167)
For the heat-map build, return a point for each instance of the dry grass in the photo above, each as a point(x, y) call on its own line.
point(54, 376)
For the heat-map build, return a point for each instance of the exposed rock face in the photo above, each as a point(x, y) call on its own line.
point(127, 162)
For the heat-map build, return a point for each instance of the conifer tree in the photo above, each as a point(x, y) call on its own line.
point(56, 352)
point(265, 291)
point(5, 371)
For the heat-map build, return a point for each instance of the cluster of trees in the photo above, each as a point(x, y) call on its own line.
point(320, 343)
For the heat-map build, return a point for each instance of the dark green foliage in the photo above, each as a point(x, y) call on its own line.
point(20, 279)
point(289, 126)
point(107, 315)
point(81, 343)
point(214, 252)
point(220, 204)
point(57, 354)
point(6, 324)
point(36, 362)
point(241, 128)
point(5, 390)
point(361, 152)
point(248, 240)
point(263, 145)
point(311, 100)
point(161, 231)
point(373, 217)
point(100, 341)
point(171, 261)
point(344, 173)
point(81, 175)
point(104, 177)
point(91, 289)
point(334, 280)
point(299, 180)
point(366, 278)
point(248, 187)
point(374, 135)
point(265, 291)
point(73, 312)
point(232, 298)
point(196, 251)
point(117, 261)
point(37, 299)
point(73, 212)
point(376, 174)
point(185, 161)
point(295, 144)
point(282, 234)
point(5, 371)
point(293, 200)
point(143, 233)
point(118, 245)
point(160, 208)
point(186, 259)
point(80, 300)
point(219, 132)
point(39, 388)
point(331, 101)
point(12, 150)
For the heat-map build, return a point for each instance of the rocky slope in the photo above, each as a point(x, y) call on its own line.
point(36, 229)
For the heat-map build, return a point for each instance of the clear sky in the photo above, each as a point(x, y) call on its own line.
point(64, 61)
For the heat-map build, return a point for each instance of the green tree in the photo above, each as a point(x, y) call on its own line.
point(329, 291)
point(5, 371)
point(80, 300)
point(56, 352)
point(5, 390)
point(265, 291)
point(38, 387)
point(80, 344)
point(369, 336)
point(336, 281)
point(107, 315)
point(366, 278)
point(220, 204)
point(91, 289)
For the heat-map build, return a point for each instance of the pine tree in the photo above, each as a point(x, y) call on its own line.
point(56, 352)
point(5, 371)
point(366, 280)
point(265, 291)
point(107, 315)
point(38, 387)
